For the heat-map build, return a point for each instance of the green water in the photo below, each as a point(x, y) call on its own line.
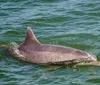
point(74, 23)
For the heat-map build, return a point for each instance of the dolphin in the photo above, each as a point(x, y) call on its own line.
point(31, 50)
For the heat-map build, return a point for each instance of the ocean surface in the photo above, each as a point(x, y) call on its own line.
point(73, 23)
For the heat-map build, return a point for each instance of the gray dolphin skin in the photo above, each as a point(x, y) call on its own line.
point(31, 50)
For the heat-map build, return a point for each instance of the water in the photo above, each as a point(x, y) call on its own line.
point(74, 23)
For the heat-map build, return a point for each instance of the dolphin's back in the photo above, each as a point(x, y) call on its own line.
point(54, 53)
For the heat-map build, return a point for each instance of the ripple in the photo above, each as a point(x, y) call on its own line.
point(73, 23)
point(12, 32)
point(97, 14)
point(3, 14)
point(94, 80)
point(75, 12)
point(2, 75)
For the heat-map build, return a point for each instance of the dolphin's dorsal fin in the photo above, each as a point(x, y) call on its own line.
point(30, 38)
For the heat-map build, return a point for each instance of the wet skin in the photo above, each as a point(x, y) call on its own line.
point(33, 51)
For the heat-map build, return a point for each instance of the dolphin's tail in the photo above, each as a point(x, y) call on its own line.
point(94, 63)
